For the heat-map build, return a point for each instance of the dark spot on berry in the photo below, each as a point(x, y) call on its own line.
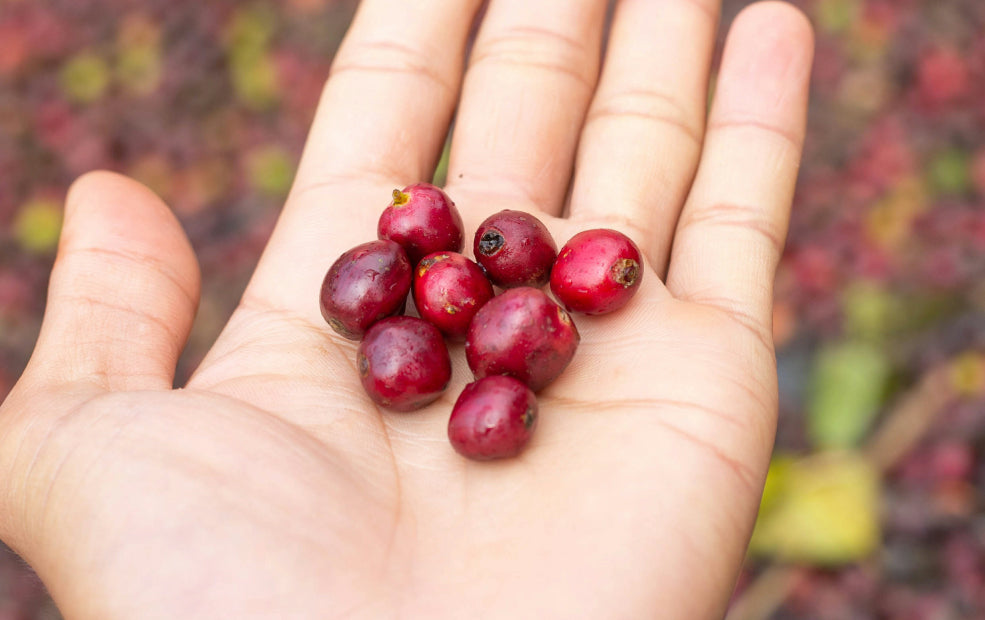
point(363, 365)
point(425, 264)
point(492, 241)
point(529, 417)
point(340, 329)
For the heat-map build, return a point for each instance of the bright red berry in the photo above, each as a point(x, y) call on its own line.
point(366, 284)
point(493, 418)
point(403, 363)
point(448, 290)
point(523, 334)
point(597, 272)
point(422, 219)
point(515, 249)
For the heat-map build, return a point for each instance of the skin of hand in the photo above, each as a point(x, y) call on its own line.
point(270, 486)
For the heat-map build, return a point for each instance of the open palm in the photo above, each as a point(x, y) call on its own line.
point(270, 486)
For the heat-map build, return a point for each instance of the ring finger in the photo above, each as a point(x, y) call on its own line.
point(642, 136)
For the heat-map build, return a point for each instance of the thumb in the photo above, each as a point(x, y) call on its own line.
point(123, 291)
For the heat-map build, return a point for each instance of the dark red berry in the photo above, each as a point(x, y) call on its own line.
point(366, 284)
point(403, 363)
point(597, 272)
point(516, 249)
point(422, 219)
point(448, 290)
point(523, 334)
point(493, 418)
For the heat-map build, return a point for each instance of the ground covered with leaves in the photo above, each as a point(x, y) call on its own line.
point(875, 506)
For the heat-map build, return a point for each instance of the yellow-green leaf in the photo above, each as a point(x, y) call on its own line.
point(38, 225)
point(848, 386)
point(85, 78)
point(826, 513)
point(271, 170)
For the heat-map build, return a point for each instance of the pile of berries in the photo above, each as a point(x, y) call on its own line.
point(516, 343)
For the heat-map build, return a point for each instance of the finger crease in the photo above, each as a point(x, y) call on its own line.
point(744, 217)
point(520, 44)
point(141, 260)
point(403, 60)
point(791, 138)
point(642, 105)
point(142, 314)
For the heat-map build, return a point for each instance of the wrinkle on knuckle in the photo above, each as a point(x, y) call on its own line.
point(130, 261)
point(792, 139)
point(648, 106)
point(144, 317)
point(746, 218)
point(389, 57)
point(537, 50)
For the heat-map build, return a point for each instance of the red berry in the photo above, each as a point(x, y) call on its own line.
point(597, 272)
point(523, 334)
point(403, 363)
point(515, 249)
point(423, 220)
point(448, 290)
point(493, 419)
point(366, 284)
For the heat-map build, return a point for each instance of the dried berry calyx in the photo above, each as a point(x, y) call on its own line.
point(400, 198)
point(492, 241)
point(626, 272)
point(422, 219)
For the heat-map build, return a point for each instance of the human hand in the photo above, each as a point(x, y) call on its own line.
point(270, 486)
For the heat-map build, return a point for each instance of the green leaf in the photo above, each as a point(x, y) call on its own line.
point(825, 512)
point(836, 16)
point(271, 170)
point(847, 388)
point(38, 226)
point(84, 78)
point(950, 172)
point(871, 312)
point(441, 171)
point(255, 80)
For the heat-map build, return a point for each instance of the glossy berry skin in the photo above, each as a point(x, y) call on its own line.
point(597, 272)
point(515, 249)
point(448, 290)
point(366, 284)
point(493, 418)
point(403, 363)
point(523, 334)
point(423, 220)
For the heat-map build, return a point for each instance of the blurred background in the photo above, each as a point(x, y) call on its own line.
point(875, 504)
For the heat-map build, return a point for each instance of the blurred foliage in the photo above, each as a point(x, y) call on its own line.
point(38, 225)
point(823, 510)
point(882, 280)
point(848, 387)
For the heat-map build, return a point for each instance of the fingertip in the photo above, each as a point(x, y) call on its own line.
point(768, 57)
point(776, 16)
point(109, 210)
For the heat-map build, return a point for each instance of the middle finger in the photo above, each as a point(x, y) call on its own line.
point(531, 77)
